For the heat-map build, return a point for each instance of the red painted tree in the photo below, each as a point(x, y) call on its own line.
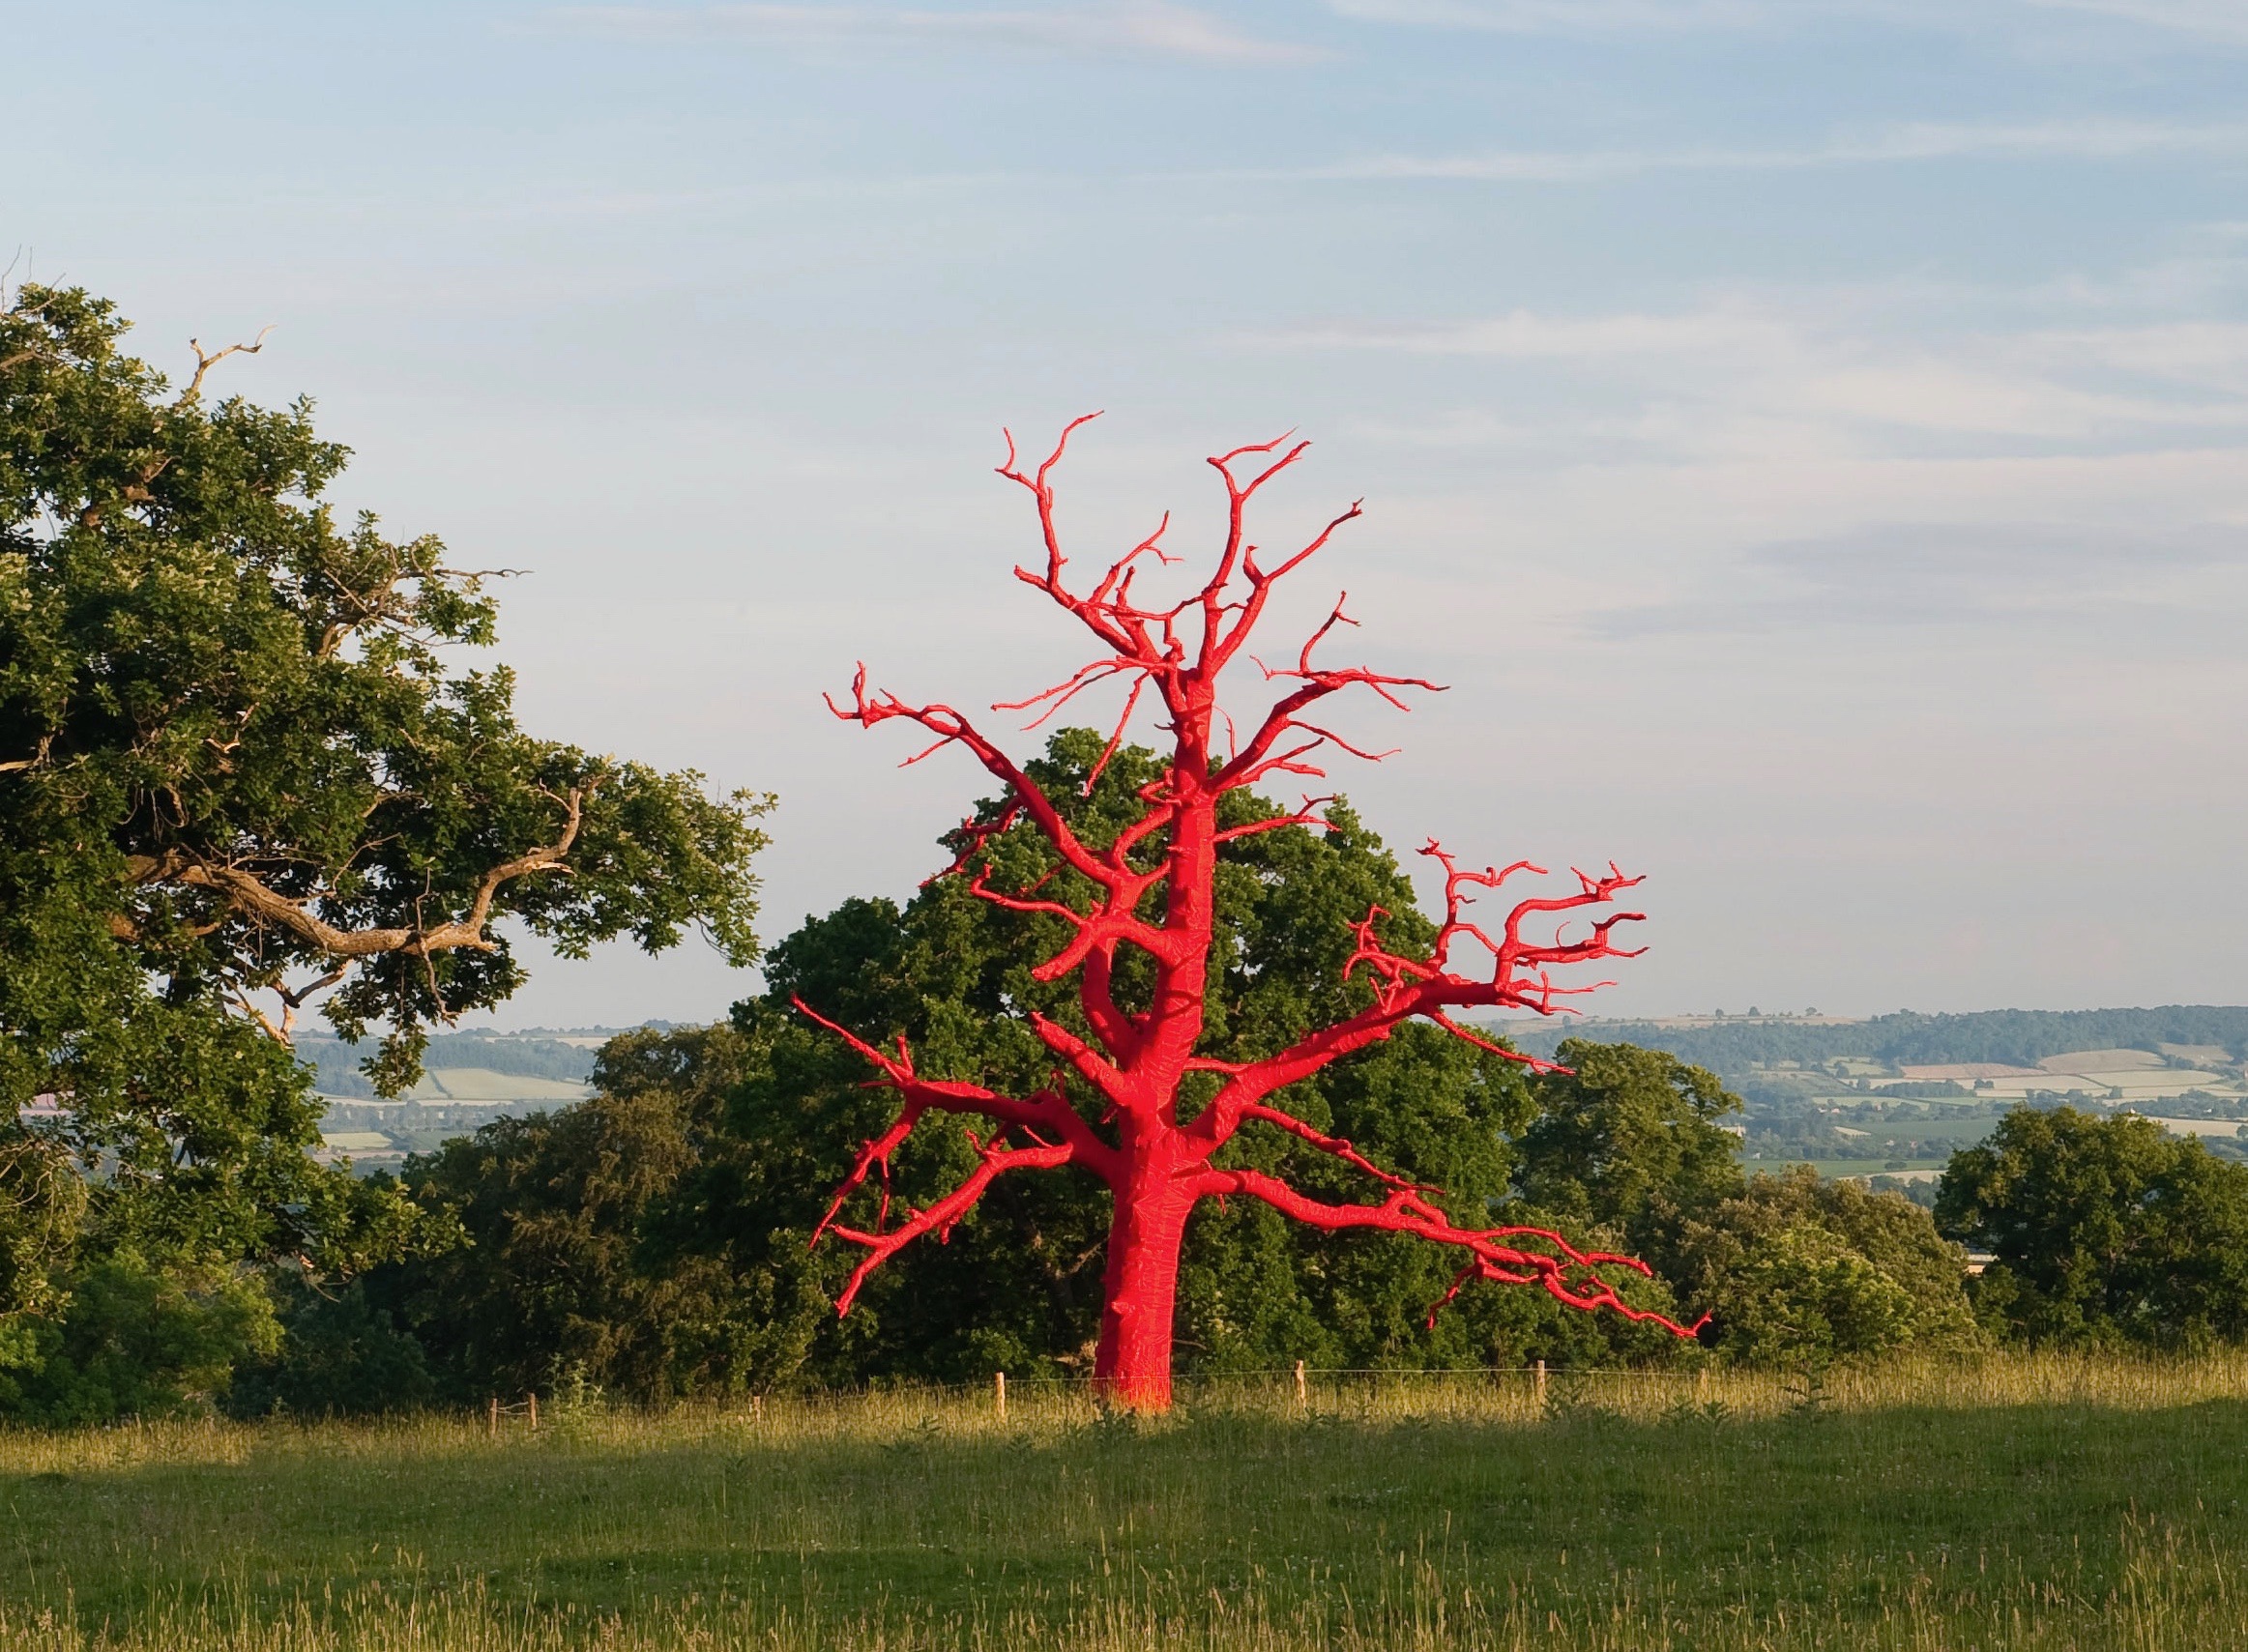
point(1152, 890)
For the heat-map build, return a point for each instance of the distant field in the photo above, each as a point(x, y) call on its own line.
point(1832, 1168)
point(481, 1084)
point(2019, 1503)
point(447, 1102)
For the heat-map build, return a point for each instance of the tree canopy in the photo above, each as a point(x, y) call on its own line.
point(2104, 1231)
point(251, 759)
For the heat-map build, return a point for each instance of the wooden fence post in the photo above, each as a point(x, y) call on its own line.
point(1302, 1398)
point(1540, 1385)
point(999, 1393)
point(533, 1396)
point(492, 1418)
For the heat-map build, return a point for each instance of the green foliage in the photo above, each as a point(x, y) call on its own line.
point(557, 1208)
point(339, 1355)
point(135, 1340)
point(236, 760)
point(1628, 1139)
point(2106, 1232)
point(42, 1206)
point(1802, 1272)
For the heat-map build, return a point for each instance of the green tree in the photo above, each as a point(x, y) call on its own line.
point(340, 1355)
point(138, 1339)
point(559, 1277)
point(2106, 1232)
point(1628, 1137)
point(236, 765)
point(242, 770)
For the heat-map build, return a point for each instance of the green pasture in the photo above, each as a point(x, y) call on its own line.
point(2018, 1502)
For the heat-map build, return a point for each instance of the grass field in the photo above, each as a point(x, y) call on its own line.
point(2016, 1504)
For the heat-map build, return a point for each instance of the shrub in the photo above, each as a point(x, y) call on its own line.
point(138, 1340)
point(1799, 1271)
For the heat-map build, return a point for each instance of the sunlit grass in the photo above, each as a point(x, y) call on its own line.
point(2031, 1502)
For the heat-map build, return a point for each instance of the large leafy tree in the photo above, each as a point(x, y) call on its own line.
point(2103, 1231)
point(244, 767)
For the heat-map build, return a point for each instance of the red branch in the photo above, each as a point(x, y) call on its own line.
point(1335, 1145)
point(1163, 905)
point(1568, 1277)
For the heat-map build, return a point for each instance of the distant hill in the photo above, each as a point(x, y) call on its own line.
point(2014, 1037)
point(566, 1057)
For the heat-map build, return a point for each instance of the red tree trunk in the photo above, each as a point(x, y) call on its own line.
point(1139, 1293)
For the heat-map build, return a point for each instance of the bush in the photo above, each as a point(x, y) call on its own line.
point(1802, 1272)
point(340, 1355)
point(561, 1272)
point(137, 1341)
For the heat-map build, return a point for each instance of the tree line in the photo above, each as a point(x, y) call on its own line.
point(650, 1242)
point(2008, 1038)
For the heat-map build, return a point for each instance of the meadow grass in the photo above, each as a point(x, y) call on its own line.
point(2009, 1502)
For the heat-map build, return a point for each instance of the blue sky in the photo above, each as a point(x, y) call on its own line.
point(1809, 437)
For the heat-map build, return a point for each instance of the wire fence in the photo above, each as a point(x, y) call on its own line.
point(1303, 1387)
point(1378, 1394)
point(2000, 1378)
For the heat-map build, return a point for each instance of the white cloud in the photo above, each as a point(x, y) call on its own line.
point(2089, 139)
point(1637, 17)
point(1527, 335)
point(2211, 354)
point(1956, 573)
point(1155, 28)
point(2213, 19)
point(2092, 137)
point(1832, 374)
point(1574, 17)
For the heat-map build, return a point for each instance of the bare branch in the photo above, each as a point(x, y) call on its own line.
point(205, 362)
point(1569, 1276)
point(253, 898)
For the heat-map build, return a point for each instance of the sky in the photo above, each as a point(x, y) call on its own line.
point(1808, 437)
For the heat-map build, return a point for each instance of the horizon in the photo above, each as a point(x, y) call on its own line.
point(1658, 1018)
